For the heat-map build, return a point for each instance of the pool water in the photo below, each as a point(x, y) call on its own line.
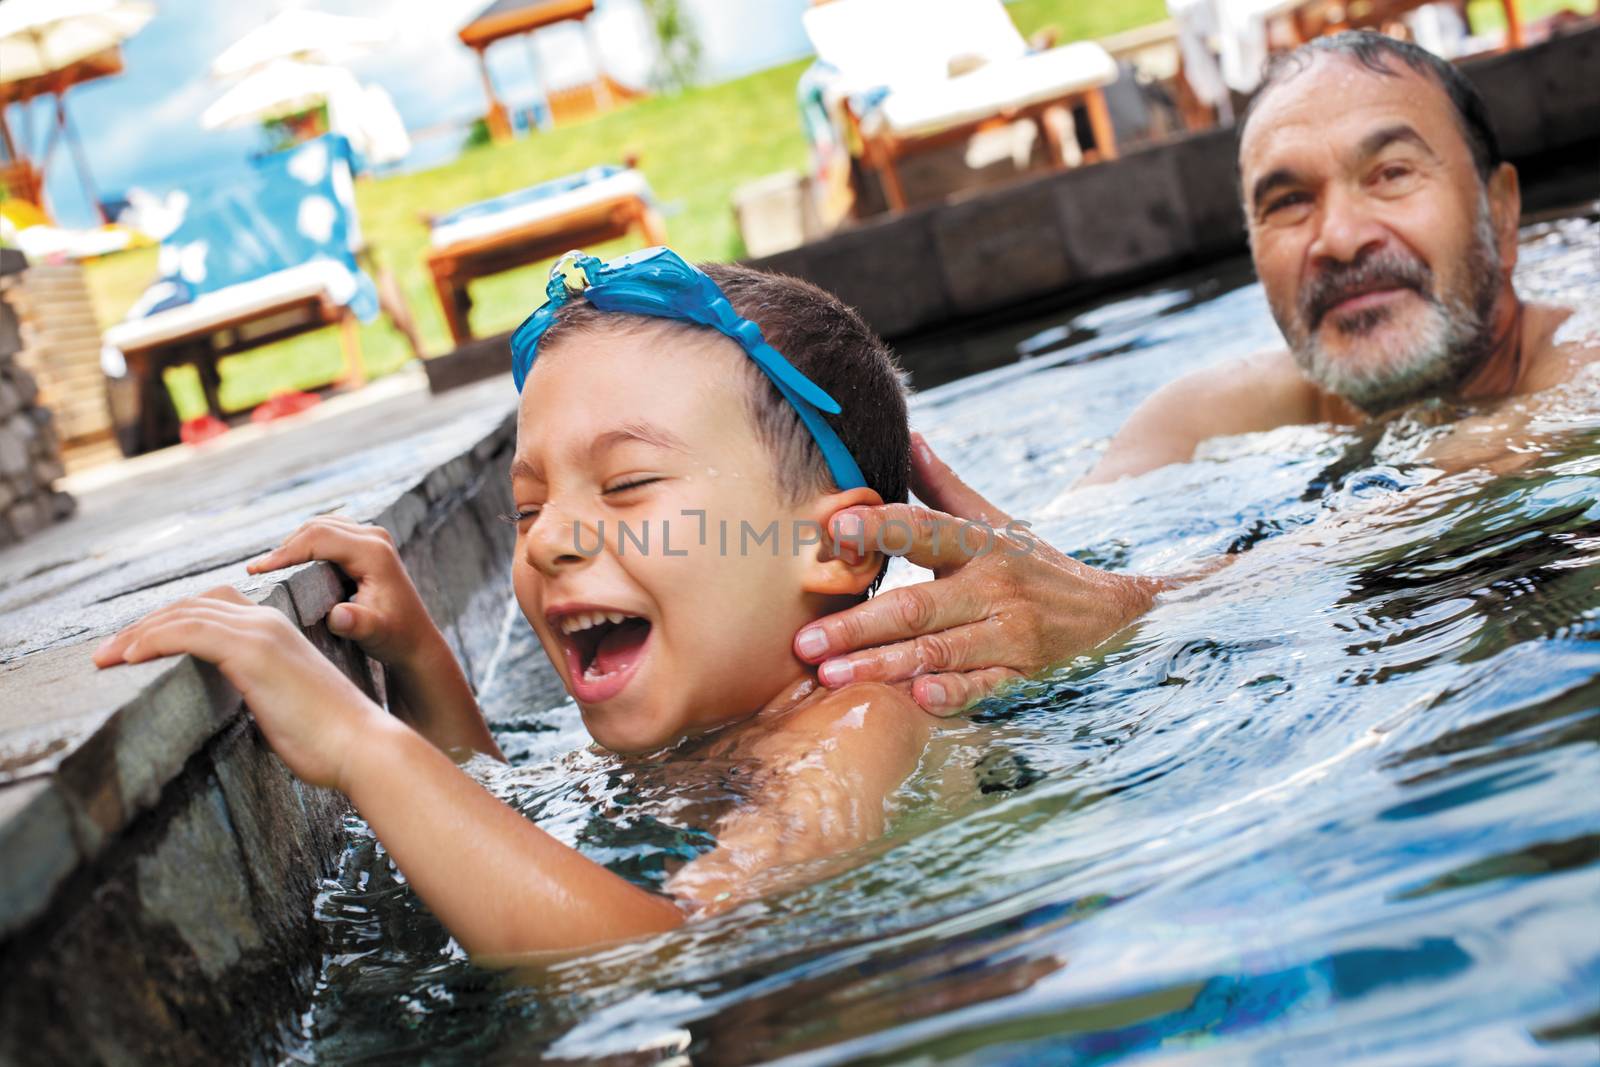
point(1338, 801)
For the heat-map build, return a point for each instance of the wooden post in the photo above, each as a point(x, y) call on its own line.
point(549, 119)
point(602, 90)
point(499, 122)
point(1105, 135)
point(355, 368)
point(1513, 23)
point(78, 158)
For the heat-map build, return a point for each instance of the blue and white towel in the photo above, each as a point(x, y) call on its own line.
point(295, 207)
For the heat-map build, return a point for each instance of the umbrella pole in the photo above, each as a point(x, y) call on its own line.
point(78, 157)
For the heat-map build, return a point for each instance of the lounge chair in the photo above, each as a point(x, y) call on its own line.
point(529, 225)
point(917, 74)
point(253, 261)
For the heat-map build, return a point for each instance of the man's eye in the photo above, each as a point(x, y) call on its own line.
point(1286, 201)
point(635, 483)
point(1393, 172)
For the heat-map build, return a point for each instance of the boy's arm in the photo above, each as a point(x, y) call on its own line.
point(500, 884)
point(833, 766)
point(387, 618)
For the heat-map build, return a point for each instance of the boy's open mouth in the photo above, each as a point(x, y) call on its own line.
point(603, 648)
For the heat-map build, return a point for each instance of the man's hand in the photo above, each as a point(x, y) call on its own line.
point(311, 714)
point(386, 617)
point(1003, 603)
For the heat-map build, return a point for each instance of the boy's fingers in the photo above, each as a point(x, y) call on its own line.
point(943, 490)
point(217, 605)
point(210, 639)
point(350, 546)
point(960, 648)
point(228, 594)
point(951, 694)
point(895, 615)
point(355, 622)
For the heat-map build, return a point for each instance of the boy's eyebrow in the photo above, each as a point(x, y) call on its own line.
point(629, 431)
point(637, 431)
point(521, 468)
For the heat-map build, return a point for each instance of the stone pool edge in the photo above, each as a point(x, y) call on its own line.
point(155, 895)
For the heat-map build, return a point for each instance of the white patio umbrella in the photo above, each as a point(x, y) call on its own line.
point(283, 87)
point(300, 35)
point(41, 36)
point(366, 115)
point(44, 37)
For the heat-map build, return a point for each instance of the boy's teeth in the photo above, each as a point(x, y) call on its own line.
point(584, 620)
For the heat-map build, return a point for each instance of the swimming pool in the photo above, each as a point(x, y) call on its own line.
point(1338, 802)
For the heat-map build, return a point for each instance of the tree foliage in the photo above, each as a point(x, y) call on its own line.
point(677, 42)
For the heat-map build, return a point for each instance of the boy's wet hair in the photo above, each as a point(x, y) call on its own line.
point(829, 343)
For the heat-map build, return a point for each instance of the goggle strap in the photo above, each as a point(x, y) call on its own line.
point(841, 464)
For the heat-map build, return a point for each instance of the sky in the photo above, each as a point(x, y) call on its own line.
point(142, 128)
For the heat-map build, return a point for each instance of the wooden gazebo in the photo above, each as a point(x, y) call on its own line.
point(19, 176)
point(523, 18)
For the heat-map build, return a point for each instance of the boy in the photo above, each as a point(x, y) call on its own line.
point(672, 472)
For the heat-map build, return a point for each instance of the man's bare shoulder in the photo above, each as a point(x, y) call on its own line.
point(1557, 355)
point(1261, 391)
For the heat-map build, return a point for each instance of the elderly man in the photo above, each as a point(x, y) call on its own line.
point(1383, 225)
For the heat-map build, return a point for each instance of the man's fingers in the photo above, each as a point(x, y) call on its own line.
point(973, 646)
point(355, 548)
point(943, 490)
point(951, 694)
point(927, 538)
point(894, 615)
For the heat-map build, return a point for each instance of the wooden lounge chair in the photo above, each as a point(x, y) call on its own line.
point(918, 74)
point(533, 224)
point(257, 261)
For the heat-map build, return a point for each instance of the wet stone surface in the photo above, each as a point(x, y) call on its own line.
point(150, 836)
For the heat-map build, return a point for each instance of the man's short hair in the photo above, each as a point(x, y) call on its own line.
point(1377, 53)
point(828, 342)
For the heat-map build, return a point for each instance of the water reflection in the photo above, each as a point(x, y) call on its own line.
point(1333, 803)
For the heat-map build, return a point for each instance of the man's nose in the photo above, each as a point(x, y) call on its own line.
point(558, 543)
point(1347, 228)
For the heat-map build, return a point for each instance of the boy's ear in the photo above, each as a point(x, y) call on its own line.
point(826, 572)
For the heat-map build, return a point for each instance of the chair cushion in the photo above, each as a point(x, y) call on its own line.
point(997, 87)
point(209, 311)
point(546, 200)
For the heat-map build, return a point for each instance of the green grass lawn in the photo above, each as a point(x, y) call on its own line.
point(695, 148)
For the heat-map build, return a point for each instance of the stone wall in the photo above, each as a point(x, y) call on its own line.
point(1159, 209)
point(160, 863)
point(30, 454)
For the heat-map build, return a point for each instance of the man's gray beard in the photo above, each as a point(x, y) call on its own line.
point(1448, 346)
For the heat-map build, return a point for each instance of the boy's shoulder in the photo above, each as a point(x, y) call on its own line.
point(866, 712)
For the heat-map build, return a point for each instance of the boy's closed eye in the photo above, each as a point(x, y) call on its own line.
point(621, 491)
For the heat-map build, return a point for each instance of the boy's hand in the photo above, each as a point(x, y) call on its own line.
point(386, 617)
point(311, 714)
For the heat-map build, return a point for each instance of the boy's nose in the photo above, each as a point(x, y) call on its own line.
point(554, 544)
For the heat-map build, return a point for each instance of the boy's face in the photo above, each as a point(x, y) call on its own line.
point(641, 491)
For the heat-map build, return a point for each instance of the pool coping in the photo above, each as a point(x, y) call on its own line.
point(161, 862)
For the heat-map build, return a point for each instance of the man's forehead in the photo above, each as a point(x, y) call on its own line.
point(1319, 99)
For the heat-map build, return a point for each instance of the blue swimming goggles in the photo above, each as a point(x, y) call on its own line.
point(657, 282)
